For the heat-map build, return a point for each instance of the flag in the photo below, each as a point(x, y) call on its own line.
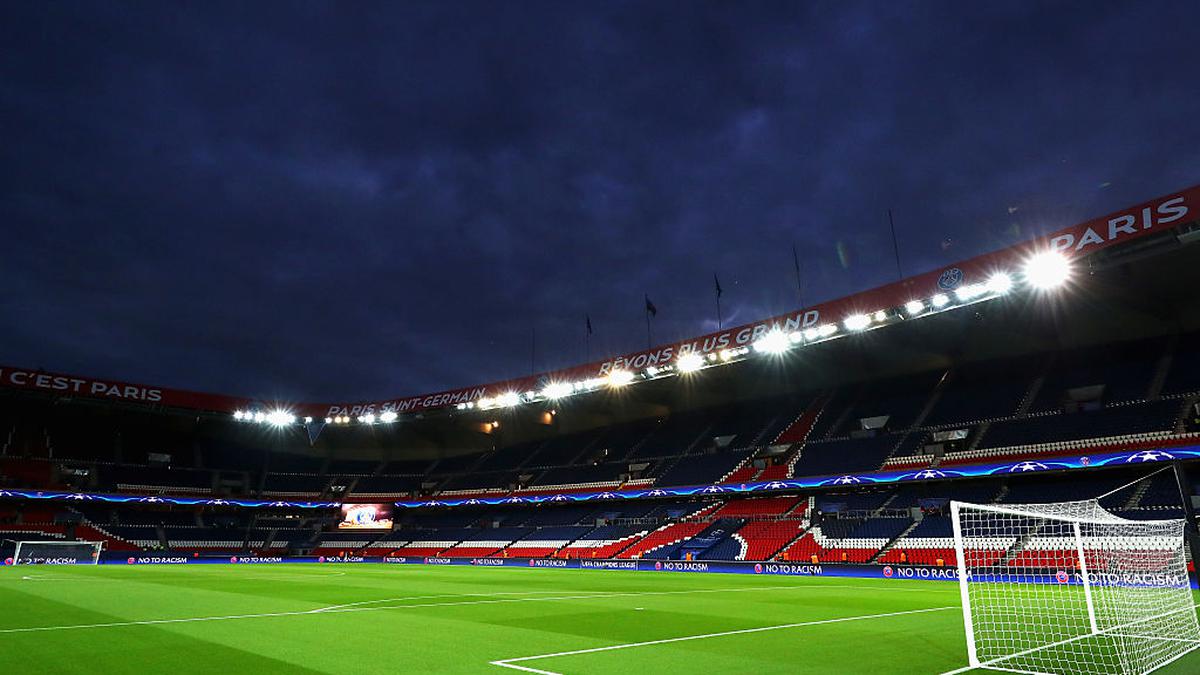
point(588, 318)
point(717, 283)
point(650, 308)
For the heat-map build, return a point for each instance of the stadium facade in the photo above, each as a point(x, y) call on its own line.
point(831, 436)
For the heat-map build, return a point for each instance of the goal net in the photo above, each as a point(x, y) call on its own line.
point(1072, 588)
point(57, 552)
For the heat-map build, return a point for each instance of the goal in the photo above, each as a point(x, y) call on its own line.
point(1072, 588)
point(58, 552)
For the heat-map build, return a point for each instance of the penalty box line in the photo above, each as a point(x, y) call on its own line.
point(512, 663)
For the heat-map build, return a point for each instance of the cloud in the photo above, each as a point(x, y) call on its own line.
point(332, 201)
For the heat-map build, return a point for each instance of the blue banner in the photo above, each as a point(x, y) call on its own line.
point(876, 478)
point(1111, 459)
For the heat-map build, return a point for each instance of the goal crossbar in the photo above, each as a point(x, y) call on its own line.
point(41, 552)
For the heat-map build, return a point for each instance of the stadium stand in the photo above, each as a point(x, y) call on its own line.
point(851, 407)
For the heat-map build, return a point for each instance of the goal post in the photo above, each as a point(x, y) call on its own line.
point(57, 552)
point(1071, 588)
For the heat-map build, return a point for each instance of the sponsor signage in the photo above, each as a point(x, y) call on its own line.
point(890, 572)
point(157, 560)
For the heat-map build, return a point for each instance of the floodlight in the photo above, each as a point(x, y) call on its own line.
point(279, 418)
point(1047, 270)
point(999, 283)
point(857, 322)
point(238, 415)
point(620, 378)
point(369, 418)
point(328, 420)
point(828, 329)
point(690, 362)
point(260, 416)
point(811, 334)
point(308, 420)
point(970, 291)
point(557, 390)
point(651, 371)
point(880, 316)
point(774, 342)
point(508, 399)
point(940, 300)
point(914, 307)
point(388, 416)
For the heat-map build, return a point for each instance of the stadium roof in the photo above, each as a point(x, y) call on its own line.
point(1116, 239)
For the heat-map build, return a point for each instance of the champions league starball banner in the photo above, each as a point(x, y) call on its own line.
point(56, 496)
point(1112, 459)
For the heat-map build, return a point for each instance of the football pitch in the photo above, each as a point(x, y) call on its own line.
point(458, 619)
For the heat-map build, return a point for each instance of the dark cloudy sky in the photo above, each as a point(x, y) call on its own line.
point(348, 200)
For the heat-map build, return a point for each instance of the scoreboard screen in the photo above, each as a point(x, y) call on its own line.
point(366, 517)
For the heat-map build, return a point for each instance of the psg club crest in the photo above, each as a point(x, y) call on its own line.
point(8, 561)
point(233, 560)
point(130, 561)
point(758, 568)
point(658, 565)
point(1062, 577)
point(950, 279)
point(888, 571)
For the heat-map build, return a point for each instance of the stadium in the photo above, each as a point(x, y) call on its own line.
point(991, 464)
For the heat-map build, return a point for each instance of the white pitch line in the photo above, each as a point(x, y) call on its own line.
point(511, 663)
point(308, 612)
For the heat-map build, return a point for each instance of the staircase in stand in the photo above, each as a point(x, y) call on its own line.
point(891, 544)
point(1019, 546)
point(803, 532)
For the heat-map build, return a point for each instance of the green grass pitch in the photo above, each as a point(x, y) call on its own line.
point(422, 619)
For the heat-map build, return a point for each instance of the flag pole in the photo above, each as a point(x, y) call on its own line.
point(587, 338)
point(646, 309)
point(895, 245)
point(717, 293)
